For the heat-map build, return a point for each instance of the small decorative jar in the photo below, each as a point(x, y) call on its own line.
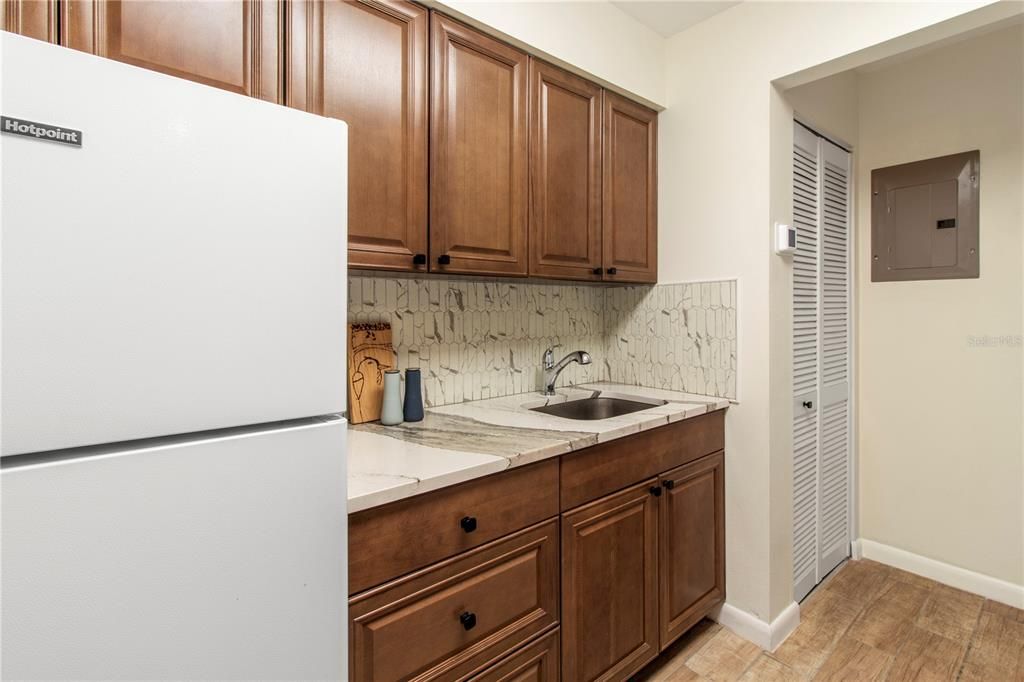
point(413, 395)
point(391, 410)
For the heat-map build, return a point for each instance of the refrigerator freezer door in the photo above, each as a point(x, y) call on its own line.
point(214, 559)
point(182, 270)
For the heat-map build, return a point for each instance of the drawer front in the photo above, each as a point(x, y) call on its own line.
point(535, 662)
point(453, 619)
point(390, 541)
point(605, 468)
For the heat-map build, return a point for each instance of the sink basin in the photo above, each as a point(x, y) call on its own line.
point(600, 406)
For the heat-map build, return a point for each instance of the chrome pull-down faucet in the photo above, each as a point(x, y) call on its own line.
point(553, 369)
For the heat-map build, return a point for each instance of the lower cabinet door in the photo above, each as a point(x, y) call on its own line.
point(536, 662)
point(609, 585)
point(453, 619)
point(692, 544)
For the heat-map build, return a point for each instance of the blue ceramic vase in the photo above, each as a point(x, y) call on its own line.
point(413, 396)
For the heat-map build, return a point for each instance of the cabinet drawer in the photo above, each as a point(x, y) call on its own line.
point(535, 662)
point(389, 541)
point(453, 619)
point(605, 468)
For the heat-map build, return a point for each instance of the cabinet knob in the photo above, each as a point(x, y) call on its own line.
point(597, 271)
point(808, 404)
point(669, 484)
point(419, 259)
point(612, 271)
point(656, 491)
point(468, 523)
point(468, 620)
point(444, 259)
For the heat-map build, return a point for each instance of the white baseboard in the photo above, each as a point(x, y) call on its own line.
point(948, 574)
point(748, 626)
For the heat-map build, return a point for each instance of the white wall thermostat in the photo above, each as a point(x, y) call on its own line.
point(785, 239)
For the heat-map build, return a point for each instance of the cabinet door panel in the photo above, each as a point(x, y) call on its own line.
point(630, 191)
point(233, 45)
point(33, 18)
point(365, 63)
point(565, 174)
point(478, 181)
point(692, 544)
point(609, 586)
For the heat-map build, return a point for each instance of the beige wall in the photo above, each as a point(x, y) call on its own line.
point(941, 451)
point(593, 38)
point(725, 148)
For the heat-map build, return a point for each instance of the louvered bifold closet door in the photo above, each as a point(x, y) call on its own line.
point(806, 183)
point(834, 394)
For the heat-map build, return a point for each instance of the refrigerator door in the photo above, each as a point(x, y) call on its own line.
point(207, 559)
point(182, 270)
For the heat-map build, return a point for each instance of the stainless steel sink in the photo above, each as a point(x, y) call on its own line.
point(601, 406)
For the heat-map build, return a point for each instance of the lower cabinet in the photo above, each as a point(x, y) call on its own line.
point(640, 567)
point(691, 543)
point(566, 569)
point(609, 585)
point(453, 619)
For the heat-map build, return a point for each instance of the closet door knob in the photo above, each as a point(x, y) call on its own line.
point(419, 259)
point(444, 259)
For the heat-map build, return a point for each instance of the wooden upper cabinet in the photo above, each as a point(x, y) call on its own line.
point(230, 44)
point(365, 63)
point(630, 195)
point(609, 585)
point(692, 547)
point(478, 154)
point(33, 18)
point(565, 174)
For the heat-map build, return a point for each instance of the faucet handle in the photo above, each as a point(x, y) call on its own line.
point(549, 358)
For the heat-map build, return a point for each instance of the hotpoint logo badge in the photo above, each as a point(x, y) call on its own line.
point(40, 131)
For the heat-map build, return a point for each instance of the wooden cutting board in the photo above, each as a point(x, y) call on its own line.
point(369, 353)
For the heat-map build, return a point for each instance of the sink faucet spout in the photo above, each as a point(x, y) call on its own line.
point(552, 369)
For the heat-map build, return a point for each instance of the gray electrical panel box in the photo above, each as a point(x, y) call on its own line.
point(924, 219)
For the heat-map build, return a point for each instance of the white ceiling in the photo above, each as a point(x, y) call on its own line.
point(669, 17)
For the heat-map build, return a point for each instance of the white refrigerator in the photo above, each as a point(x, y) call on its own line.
point(172, 334)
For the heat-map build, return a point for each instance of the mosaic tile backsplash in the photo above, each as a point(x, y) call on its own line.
point(476, 339)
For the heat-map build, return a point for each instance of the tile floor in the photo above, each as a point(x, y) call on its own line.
point(866, 621)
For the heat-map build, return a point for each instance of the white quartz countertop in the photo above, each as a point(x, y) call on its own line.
point(458, 443)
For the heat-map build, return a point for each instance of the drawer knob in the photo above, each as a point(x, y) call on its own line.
point(655, 490)
point(669, 484)
point(468, 523)
point(808, 404)
point(468, 620)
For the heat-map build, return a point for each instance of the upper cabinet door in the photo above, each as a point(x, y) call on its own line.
point(33, 18)
point(478, 124)
point(365, 63)
point(565, 174)
point(229, 44)
point(630, 196)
